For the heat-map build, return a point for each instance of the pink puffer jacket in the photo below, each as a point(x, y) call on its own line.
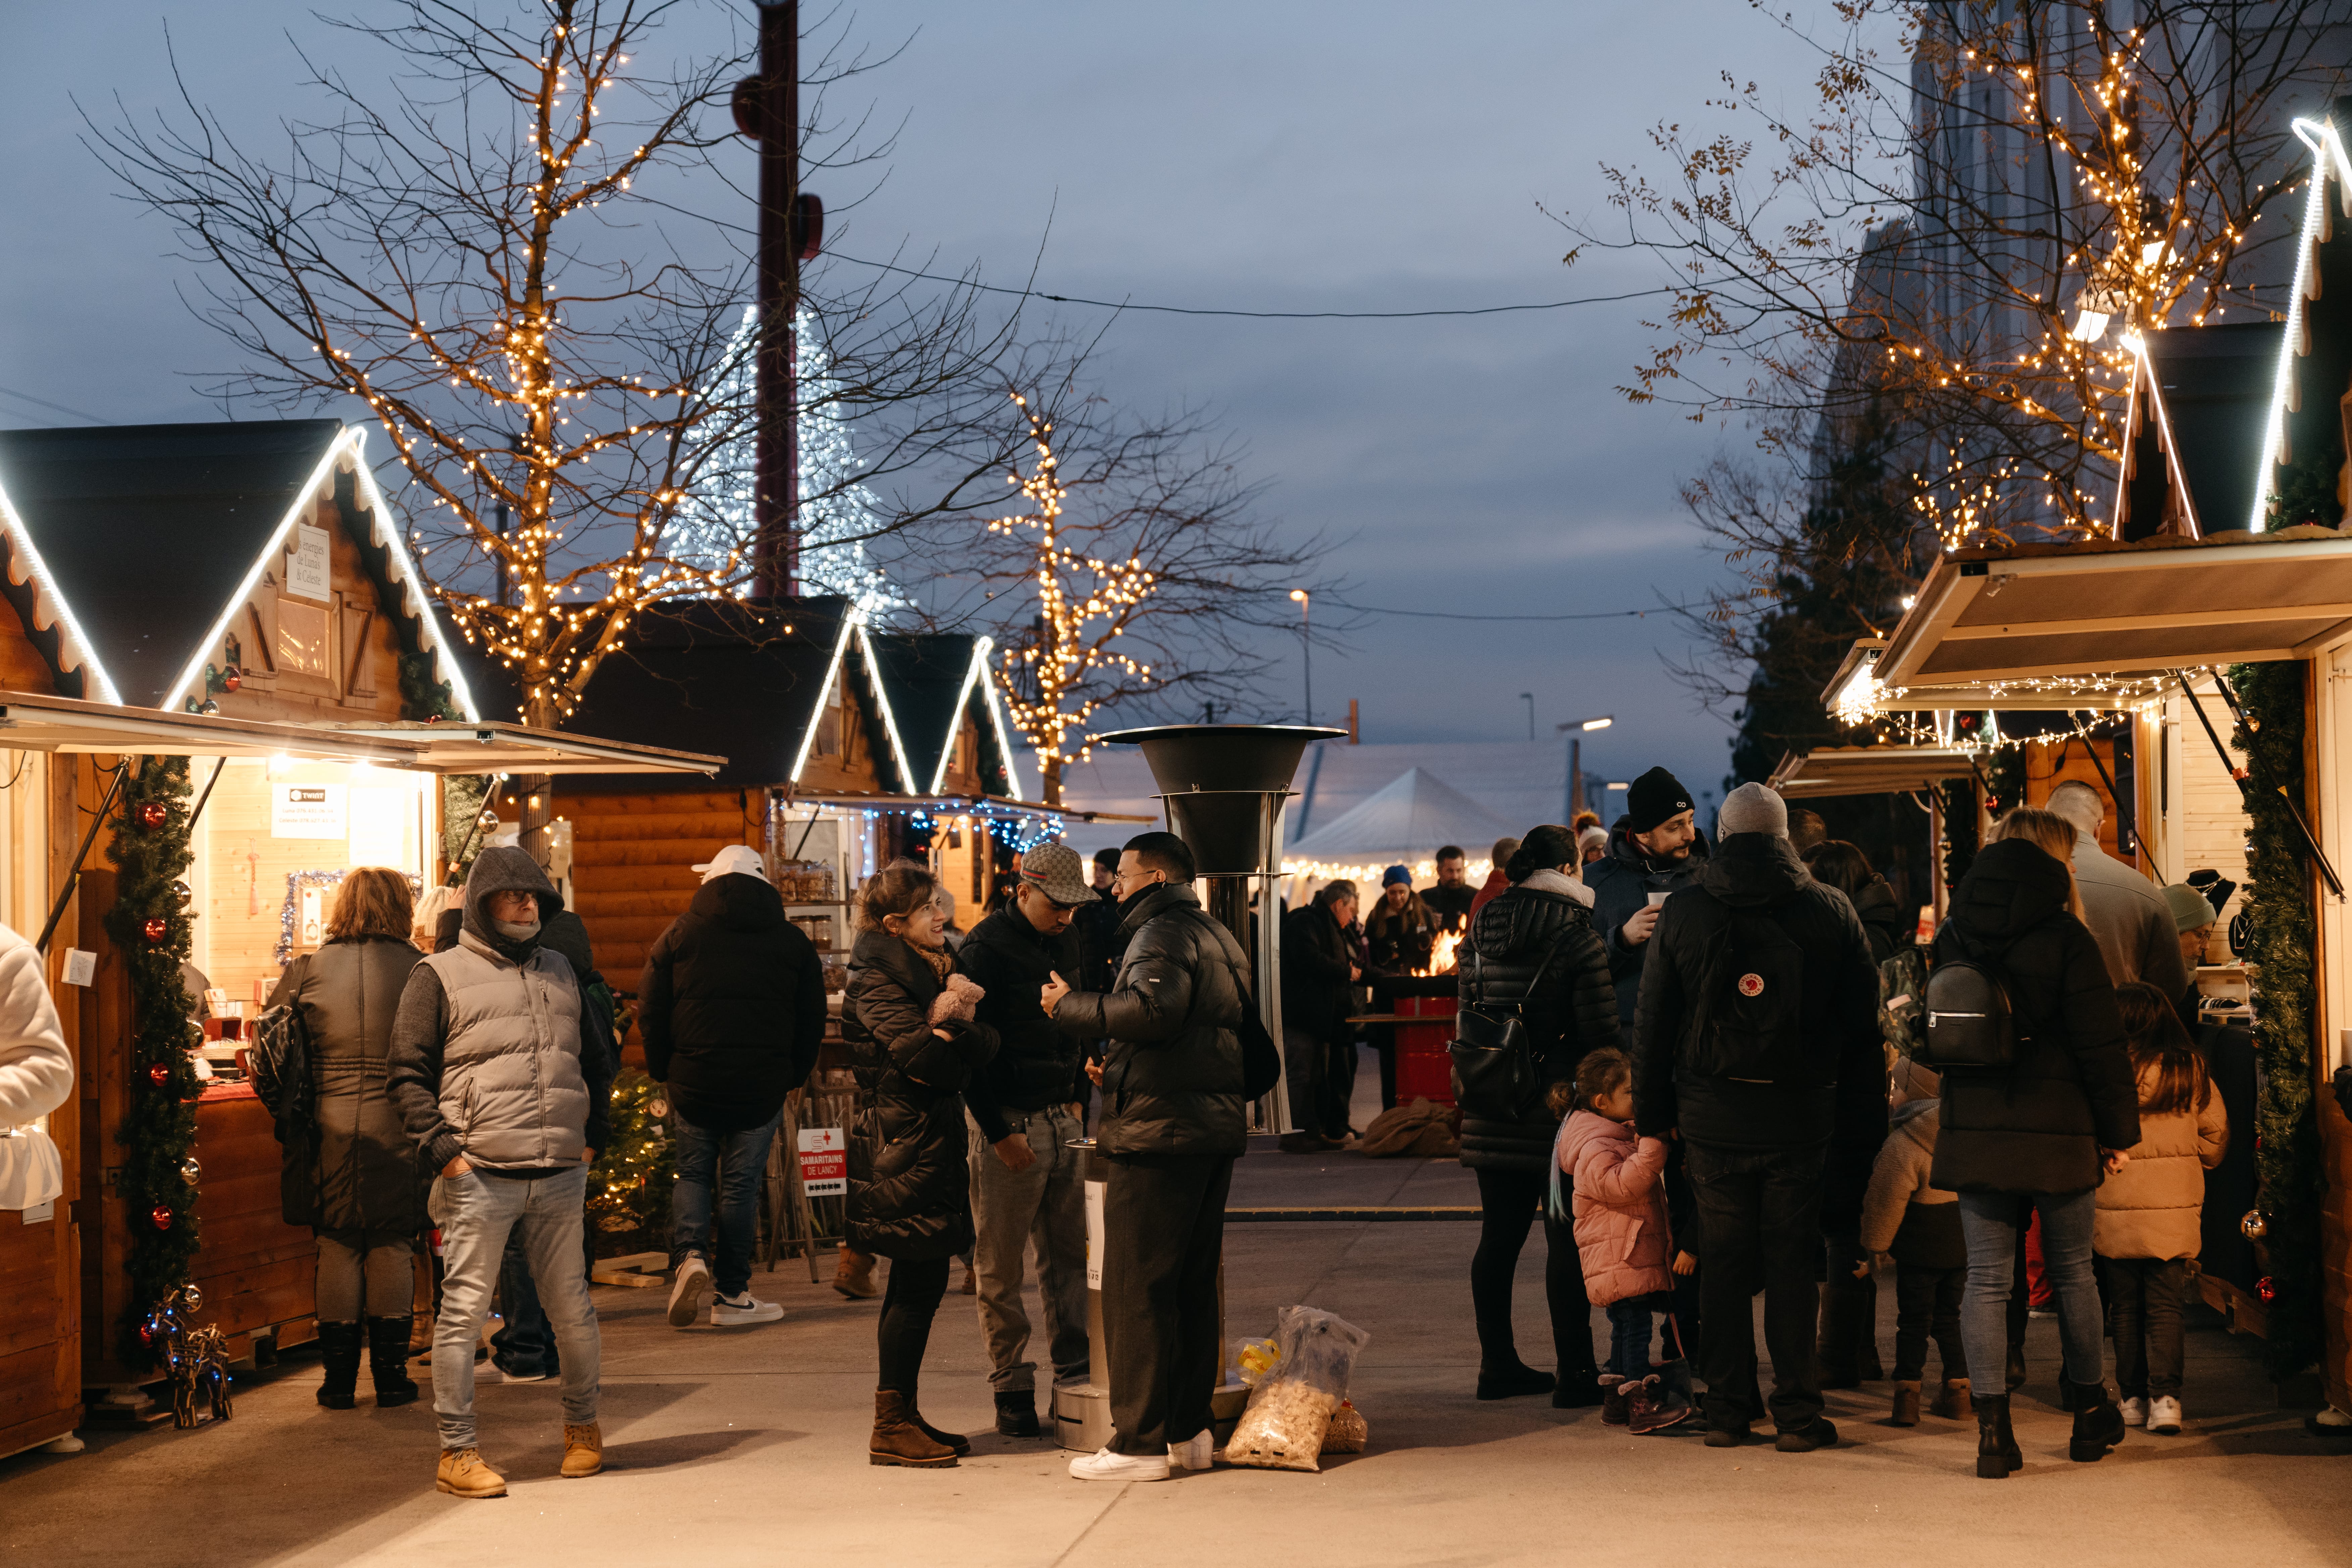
point(1619, 1206)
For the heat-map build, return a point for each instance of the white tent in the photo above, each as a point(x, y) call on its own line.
point(1405, 820)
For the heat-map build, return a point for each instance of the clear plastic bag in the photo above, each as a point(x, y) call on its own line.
point(1290, 1412)
point(1348, 1433)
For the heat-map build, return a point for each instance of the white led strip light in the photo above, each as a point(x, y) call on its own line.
point(996, 717)
point(2327, 161)
point(832, 674)
point(75, 648)
point(882, 699)
point(956, 717)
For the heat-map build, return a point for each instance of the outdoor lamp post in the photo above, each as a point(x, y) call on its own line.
point(1576, 756)
point(1306, 648)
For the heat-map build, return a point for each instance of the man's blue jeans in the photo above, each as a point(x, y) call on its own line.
point(734, 1164)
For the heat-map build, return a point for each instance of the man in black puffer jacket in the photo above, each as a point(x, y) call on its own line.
point(1654, 848)
point(731, 1011)
point(1027, 1105)
point(1172, 1125)
point(1763, 1094)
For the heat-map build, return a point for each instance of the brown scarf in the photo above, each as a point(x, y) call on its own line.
point(941, 961)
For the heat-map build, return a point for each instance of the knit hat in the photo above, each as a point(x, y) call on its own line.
point(1656, 796)
point(1753, 808)
point(2189, 909)
point(735, 860)
point(1056, 870)
point(1395, 874)
point(1592, 837)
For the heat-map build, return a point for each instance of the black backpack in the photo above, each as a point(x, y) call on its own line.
point(1970, 1024)
point(1749, 1025)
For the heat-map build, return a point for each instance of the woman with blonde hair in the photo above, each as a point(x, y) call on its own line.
point(349, 1173)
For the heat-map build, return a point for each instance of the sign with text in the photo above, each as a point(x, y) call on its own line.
point(307, 567)
point(308, 811)
point(824, 1162)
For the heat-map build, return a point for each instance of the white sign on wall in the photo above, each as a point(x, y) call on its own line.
point(379, 826)
point(307, 570)
point(308, 811)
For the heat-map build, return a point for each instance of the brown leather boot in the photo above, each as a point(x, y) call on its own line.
point(854, 1276)
point(583, 1449)
point(1952, 1401)
point(1906, 1403)
point(463, 1474)
point(899, 1441)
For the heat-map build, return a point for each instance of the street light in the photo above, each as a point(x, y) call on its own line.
point(1576, 757)
point(1306, 648)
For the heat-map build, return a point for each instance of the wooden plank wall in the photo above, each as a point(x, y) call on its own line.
point(256, 1270)
point(633, 857)
point(2046, 769)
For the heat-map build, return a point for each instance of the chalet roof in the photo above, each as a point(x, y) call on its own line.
point(935, 682)
point(2200, 397)
point(2304, 424)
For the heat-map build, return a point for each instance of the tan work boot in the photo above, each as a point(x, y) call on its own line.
point(1952, 1400)
point(1906, 1403)
point(853, 1277)
point(584, 1450)
point(463, 1474)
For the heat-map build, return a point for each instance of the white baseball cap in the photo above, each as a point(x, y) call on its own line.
point(735, 860)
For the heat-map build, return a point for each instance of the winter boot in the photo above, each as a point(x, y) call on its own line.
point(1512, 1380)
point(956, 1441)
point(1612, 1399)
point(1837, 1352)
point(1579, 1388)
point(461, 1473)
point(2015, 1372)
point(1906, 1403)
point(1016, 1413)
point(1651, 1406)
point(338, 1353)
point(897, 1439)
point(1951, 1401)
point(854, 1276)
point(2098, 1420)
point(387, 1343)
point(583, 1449)
point(1997, 1452)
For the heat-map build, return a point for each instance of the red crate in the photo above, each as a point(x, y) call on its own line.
point(1424, 1069)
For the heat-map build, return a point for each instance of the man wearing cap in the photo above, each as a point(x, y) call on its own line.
point(1655, 847)
point(731, 1010)
point(1027, 1105)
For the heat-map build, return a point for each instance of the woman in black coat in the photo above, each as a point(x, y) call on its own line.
point(350, 1174)
point(2039, 1136)
point(1532, 948)
point(913, 1046)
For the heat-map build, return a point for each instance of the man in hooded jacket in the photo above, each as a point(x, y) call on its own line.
point(1654, 848)
point(503, 1082)
point(731, 1010)
point(1763, 1100)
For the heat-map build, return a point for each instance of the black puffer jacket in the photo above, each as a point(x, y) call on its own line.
point(363, 1175)
point(909, 1194)
point(732, 1006)
point(1316, 958)
point(1883, 922)
point(1037, 1063)
point(1621, 882)
point(1172, 1075)
point(2039, 1127)
point(1525, 938)
point(1836, 1096)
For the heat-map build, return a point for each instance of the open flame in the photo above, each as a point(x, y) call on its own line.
point(1442, 955)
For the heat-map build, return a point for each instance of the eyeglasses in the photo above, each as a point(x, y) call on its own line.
point(1137, 877)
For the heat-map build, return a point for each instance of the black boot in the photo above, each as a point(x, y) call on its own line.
point(1997, 1452)
point(387, 1341)
point(1512, 1380)
point(1579, 1388)
point(1016, 1413)
point(2015, 1372)
point(1837, 1349)
point(955, 1441)
point(2098, 1420)
point(338, 1353)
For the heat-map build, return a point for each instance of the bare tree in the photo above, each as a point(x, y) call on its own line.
point(1968, 238)
point(487, 264)
point(1137, 579)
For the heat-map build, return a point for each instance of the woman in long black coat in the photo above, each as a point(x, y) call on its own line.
point(353, 1177)
point(913, 1046)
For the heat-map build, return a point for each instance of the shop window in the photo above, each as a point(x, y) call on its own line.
point(302, 639)
point(828, 726)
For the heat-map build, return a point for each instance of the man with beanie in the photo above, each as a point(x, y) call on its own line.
point(2128, 917)
point(1096, 924)
point(1654, 848)
point(504, 1092)
point(1027, 1105)
point(2192, 921)
point(1758, 1042)
point(731, 1010)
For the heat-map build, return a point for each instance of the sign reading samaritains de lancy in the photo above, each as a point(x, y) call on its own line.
point(824, 1162)
point(308, 811)
point(307, 567)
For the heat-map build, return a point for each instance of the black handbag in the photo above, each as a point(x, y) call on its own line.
point(1495, 1076)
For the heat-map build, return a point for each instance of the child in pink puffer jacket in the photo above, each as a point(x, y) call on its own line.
point(1619, 1204)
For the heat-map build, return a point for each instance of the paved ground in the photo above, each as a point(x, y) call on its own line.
point(747, 1446)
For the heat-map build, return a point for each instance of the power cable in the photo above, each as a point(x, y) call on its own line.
point(44, 402)
point(1459, 615)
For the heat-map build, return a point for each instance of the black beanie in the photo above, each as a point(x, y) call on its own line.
point(1656, 796)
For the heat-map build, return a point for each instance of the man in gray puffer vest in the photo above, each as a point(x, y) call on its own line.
point(504, 1094)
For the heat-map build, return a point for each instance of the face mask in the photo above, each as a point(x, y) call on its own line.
point(516, 930)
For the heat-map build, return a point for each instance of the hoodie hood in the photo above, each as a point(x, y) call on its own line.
point(1583, 1127)
point(503, 868)
point(739, 902)
point(1918, 1121)
point(1754, 870)
point(2012, 887)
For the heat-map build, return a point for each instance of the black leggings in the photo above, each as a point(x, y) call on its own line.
point(1510, 1199)
point(908, 1303)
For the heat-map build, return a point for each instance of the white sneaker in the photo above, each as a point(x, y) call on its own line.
point(685, 1290)
point(1198, 1452)
point(2134, 1412)
point(729, 1311)
point(2163, 1416)
point(1107, 1466)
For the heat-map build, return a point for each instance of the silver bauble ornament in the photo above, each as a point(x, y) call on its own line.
point(2253, 1228)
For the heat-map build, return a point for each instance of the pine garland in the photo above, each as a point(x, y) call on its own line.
point(160, 1130)
point(2281, 946)
point(1959, 829)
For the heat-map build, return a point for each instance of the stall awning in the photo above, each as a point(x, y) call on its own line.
point(1990, 616)
point(468, 747)
point(934, 804)
point(34, 722)
point(1854, 693)
point(1867, 770)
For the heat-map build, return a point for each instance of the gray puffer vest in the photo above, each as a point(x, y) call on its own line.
point(511, 1079)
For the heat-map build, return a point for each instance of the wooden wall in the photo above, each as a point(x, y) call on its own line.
point(632, 859)
point(2047, 767)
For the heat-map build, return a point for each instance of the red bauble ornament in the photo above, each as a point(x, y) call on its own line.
point(156, 929)
point(161, 1216)
point(153, 815)
point(159, 1075)
point(2264, 1288)
point(230, 678)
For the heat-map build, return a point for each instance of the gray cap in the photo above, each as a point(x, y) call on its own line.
point(1753, 808)
point(2189, 909)
point(1057, 871)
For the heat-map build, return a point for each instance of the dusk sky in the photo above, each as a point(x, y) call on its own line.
point(1368, 157)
